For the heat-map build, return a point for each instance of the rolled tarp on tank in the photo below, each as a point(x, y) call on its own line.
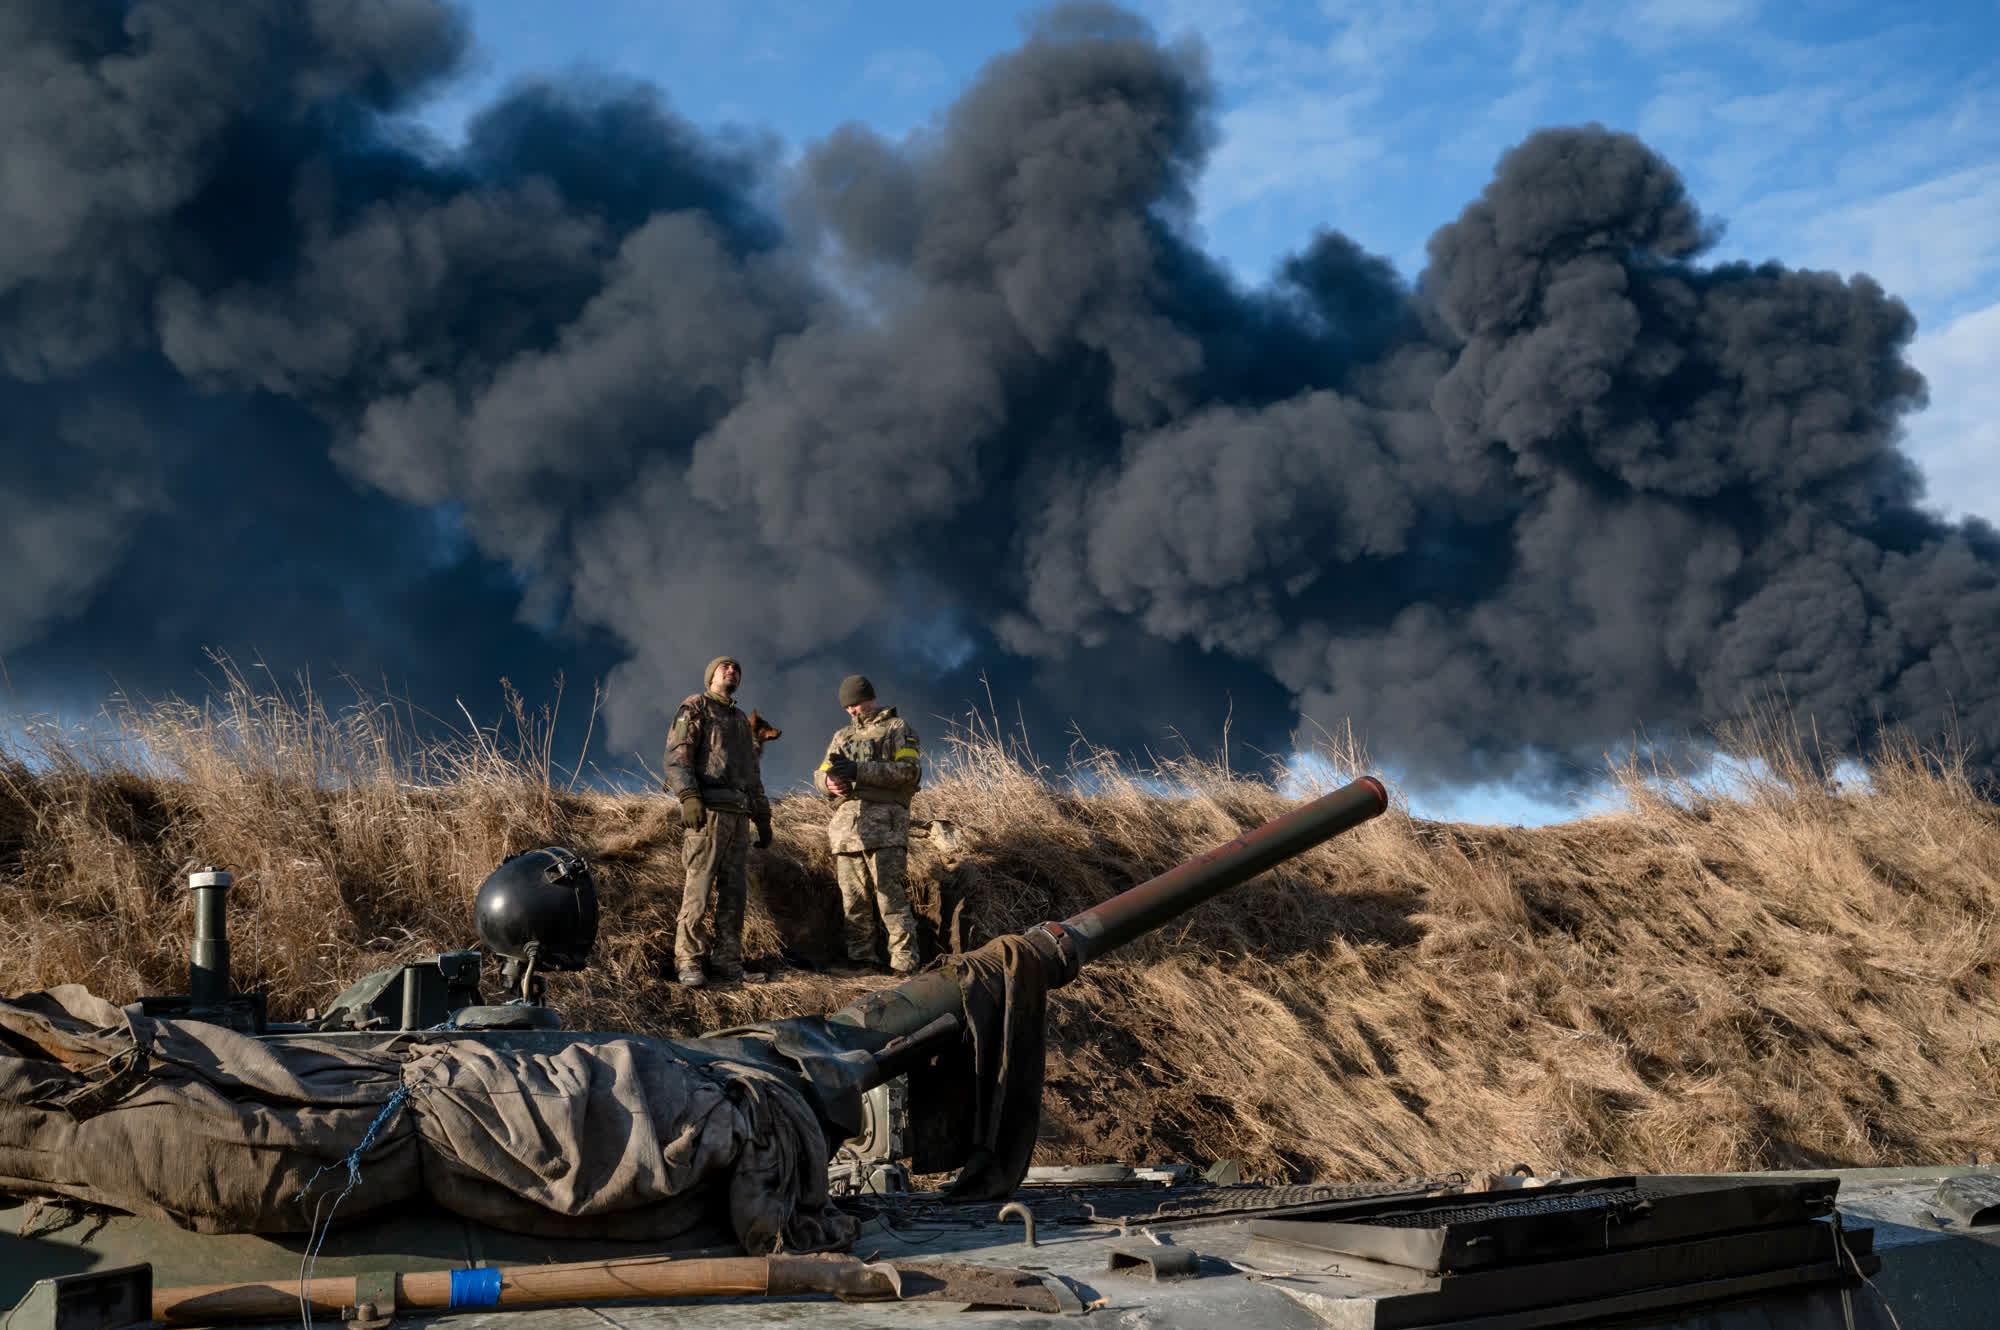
point(222, 1133)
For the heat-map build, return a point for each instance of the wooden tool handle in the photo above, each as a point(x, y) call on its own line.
point(530, 1285)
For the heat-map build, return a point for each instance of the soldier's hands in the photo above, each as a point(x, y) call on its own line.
point(694, 813)
point(763, 833)
point(841, 768)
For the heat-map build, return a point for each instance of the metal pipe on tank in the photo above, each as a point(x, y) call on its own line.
point(1089, 934)
point(208, 967)
point(1066, 946)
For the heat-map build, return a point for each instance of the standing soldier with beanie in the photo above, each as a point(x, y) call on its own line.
point(871, 770)
point(712, 769)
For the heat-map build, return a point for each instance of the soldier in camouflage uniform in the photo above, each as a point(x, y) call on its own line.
point(871, 770)
point(711, 768)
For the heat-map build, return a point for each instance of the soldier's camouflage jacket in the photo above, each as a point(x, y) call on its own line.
point(888, 767)
point(709, 749)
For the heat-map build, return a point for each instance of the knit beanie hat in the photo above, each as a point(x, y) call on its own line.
point(709, 672)
point(855, 689)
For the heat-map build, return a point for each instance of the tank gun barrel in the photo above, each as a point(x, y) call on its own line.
point(1065, 947)
point(1089, 934)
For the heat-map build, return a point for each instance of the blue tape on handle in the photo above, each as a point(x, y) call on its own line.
point(475, 1288)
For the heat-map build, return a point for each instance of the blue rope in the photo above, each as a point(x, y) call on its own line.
point(353, 1163)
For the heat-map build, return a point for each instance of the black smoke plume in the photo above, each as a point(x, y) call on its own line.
point(601, 393)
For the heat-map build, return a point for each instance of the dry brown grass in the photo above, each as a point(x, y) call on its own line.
point(1786, 973)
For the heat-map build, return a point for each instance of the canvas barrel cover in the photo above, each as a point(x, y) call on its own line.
point(222, 1133)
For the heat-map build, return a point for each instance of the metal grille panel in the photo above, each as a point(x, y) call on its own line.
point(1142, 1203)
point(1614, 1202)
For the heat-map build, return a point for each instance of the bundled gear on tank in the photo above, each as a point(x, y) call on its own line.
point(220, 1132)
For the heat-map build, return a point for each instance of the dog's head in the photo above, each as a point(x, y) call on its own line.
point(762, 731)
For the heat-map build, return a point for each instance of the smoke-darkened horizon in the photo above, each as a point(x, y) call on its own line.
point(602, 394)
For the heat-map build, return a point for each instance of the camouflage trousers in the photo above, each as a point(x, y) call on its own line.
point(872, 879)
point(718, 874)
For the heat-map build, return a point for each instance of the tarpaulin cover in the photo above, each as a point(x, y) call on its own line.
point(1005, 990)
point(978, 1103)
point(222, 1133)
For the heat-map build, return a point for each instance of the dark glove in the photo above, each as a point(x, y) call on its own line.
point(694, 813)
point(763, 833)
point(841, 767)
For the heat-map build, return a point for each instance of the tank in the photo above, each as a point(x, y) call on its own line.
point(939, 1075)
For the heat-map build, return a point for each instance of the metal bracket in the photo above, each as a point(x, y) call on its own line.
point(374, 1301)
point(1161, 1262)
point(1973, 1199)
point(1067, 1302)
point(91, 1300)
point(1057, 946)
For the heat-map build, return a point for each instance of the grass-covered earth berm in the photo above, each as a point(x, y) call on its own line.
point(1784, 973)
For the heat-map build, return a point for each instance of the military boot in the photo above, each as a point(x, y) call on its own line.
point(693, 976)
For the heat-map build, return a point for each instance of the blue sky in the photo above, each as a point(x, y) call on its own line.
point(1848, 137)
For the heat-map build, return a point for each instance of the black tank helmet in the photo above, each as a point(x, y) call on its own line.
point(540, 903)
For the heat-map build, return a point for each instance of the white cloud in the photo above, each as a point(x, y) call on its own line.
point(1376, 38)
point(1550, 36)
point(905, 72)
point(1662, 19)
point(1492, 128)
point(1815, 123)
point(1246, 48)
point(1957, 440)
point(1738, 147)
point(1936, 242)
point(1676, 113)
point(1300, 143)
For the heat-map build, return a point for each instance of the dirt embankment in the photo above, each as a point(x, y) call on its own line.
point(1792, 975)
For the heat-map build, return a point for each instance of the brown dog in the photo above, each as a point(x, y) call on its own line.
point(762, 731)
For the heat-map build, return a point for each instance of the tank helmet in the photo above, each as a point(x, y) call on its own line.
point(539, 905)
